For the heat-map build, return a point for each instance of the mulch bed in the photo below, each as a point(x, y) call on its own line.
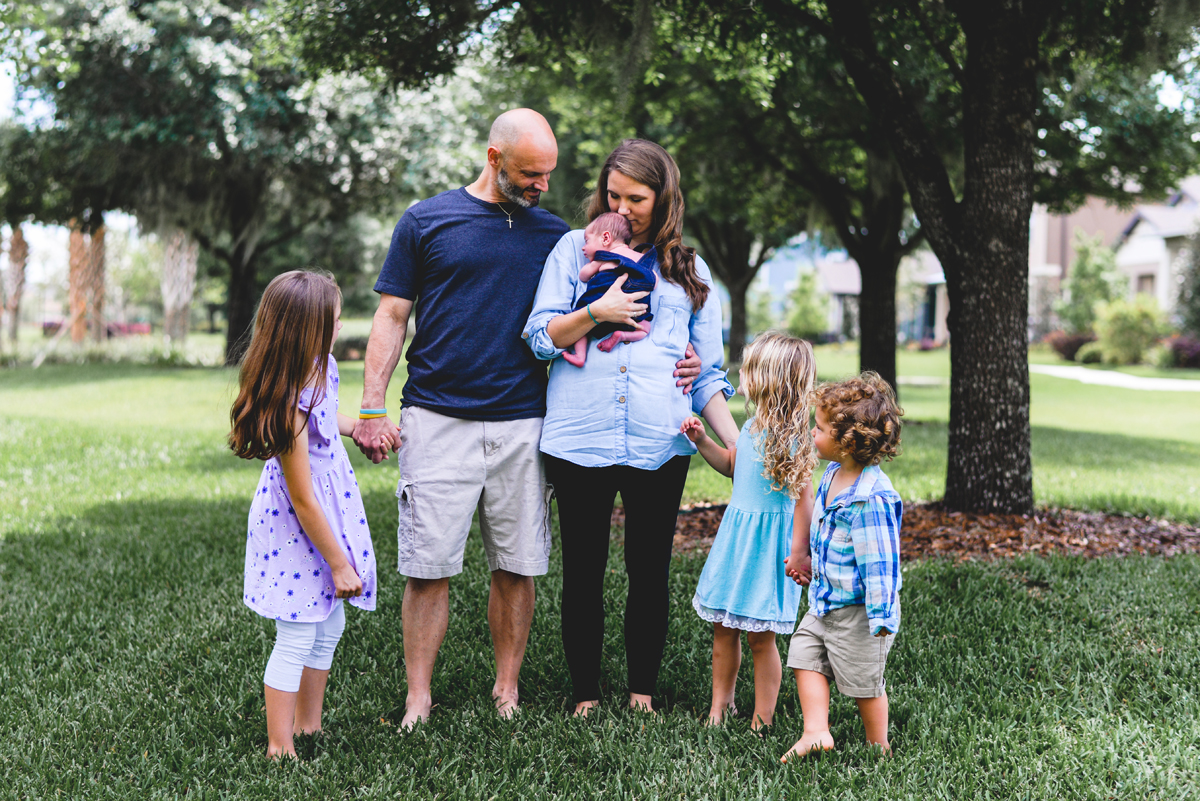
point(932, 532)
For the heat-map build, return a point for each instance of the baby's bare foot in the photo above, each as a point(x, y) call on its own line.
point(811, 742)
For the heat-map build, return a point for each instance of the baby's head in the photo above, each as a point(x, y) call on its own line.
point(604, 232)
point(859, 418)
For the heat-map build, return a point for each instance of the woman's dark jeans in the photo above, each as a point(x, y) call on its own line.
point(585, 501)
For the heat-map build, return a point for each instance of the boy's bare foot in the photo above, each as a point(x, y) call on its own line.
point(584, 707)
point(506, 706)
point(758, 725)
point(416, 710)
point(811, 742)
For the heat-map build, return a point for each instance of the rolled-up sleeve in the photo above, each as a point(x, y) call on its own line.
point(705, 330)
point(555, 295)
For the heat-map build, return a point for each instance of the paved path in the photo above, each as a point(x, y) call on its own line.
point(1111, 378)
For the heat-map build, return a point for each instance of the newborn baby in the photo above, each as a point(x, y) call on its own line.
point(606, 245)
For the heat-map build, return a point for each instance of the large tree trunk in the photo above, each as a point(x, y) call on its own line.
point(982, 241)
point(96, 255)
point(178, 285)
point(77, 285)
point(18, 256)
point(989, 466)
point(242, 299)
point(877, 314)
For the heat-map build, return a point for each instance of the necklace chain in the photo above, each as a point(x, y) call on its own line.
point(506, 214)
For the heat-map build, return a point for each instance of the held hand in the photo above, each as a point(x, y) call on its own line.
point(883, 633)
point(617, 307)
point(375, 437)
point(798, 569)
point(687, 369)
point(694, 429)
point(346, 583)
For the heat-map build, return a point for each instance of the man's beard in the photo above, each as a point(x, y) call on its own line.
point(513, 192)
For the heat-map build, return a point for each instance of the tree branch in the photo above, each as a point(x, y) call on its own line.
point(940, 45)
point(924, 171)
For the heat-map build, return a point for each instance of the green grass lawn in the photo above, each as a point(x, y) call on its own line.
point(130, 669)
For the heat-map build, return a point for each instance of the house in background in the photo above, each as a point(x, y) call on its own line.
point(1149, 247)
point(837, 279)
point(1052, 252)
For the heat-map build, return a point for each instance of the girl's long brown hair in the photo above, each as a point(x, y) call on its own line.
point(293, 334)
point(649, 164)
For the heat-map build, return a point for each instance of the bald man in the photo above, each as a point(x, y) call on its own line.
point(472, 408)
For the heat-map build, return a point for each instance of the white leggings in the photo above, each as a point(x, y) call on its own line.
point(301, 645)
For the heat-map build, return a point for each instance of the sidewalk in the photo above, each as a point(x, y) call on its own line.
point(1111, 378)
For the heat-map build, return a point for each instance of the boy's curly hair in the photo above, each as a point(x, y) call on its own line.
point(864, 417)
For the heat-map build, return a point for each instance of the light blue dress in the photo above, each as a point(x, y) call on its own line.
point(743, 585)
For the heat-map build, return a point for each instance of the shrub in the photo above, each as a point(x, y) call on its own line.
point(1093, 280)
point(1127, 329)
point(808, 315)
point(1091, 353)
point(1188, 305)
point(1185, 351)
point(1067, 345)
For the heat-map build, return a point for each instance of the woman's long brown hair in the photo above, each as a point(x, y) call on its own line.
point(649, 164)
point(293, 334)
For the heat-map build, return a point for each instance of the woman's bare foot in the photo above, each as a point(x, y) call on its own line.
point(811, 742)
point(640, 703)
point(584, 707)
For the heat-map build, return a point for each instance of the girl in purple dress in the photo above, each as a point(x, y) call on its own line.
point(307, 546)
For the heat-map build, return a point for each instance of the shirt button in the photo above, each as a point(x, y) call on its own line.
point(621, 399)
point(622, 368)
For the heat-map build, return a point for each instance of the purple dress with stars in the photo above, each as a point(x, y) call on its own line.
point(286, 576)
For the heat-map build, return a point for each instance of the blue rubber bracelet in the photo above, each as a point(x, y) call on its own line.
point(372, 411)
point(589, 311)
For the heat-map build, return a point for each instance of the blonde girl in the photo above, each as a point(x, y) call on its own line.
point(307, 546)
point(763, 538)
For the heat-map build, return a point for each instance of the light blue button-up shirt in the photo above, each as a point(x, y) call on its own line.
point(622, 407)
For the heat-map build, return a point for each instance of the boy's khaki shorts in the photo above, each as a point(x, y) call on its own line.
point(449, 470)
point(840, 646)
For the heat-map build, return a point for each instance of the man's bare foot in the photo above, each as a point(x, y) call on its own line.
point(416, 710)
point(584, 707)
point(506, 706)
point(640, 703)
point(816, 741)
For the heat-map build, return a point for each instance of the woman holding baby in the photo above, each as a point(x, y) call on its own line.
point(613, 424)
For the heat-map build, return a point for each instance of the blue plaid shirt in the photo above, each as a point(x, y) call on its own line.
point(855, 545)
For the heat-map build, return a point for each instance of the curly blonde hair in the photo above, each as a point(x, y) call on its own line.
point(864, 418)
point(778, 375)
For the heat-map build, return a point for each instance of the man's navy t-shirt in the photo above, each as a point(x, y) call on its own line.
point(473, 278)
